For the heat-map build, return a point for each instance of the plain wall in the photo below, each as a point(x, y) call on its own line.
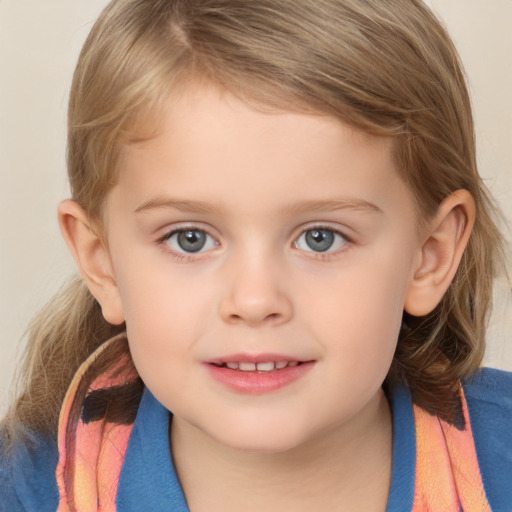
point(39, 44)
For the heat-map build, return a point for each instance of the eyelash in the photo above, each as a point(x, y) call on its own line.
point(182, 256)
point(322, 256)
point(328, 254)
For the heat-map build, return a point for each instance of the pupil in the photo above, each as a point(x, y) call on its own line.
point(320, 240)
point(191, 241)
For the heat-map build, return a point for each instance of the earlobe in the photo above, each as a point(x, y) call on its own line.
point(92, 259)
point(440, 254)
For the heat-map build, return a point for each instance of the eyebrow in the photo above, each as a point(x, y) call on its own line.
point(186, 206)
point(334, 205)
point(190, 206)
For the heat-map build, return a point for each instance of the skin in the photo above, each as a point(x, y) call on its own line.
point(255, 182)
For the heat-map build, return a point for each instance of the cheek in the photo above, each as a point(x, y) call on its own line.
point(162, 307)
point(162, 333)
point(360, 309)
point(160, 315)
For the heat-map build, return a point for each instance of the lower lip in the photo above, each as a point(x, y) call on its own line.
point(259, 383)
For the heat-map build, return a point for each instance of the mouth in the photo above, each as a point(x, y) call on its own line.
point(258, 375)
point(264, 367)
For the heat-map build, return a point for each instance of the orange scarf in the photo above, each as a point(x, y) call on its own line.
point(91, 454)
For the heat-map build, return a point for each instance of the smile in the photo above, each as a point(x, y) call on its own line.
point(258, 367)
point(257, 377)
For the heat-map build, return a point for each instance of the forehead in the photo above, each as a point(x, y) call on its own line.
point(197, 101)
point(212, 146)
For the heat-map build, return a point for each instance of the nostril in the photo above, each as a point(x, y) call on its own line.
point(272, 317)
point(255, 309)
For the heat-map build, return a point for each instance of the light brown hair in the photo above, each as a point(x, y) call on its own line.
point(387, 67)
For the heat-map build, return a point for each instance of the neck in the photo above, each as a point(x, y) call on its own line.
point(346, 468)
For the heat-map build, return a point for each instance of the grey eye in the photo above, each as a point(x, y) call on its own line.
point(320, 240)
point(190, 241)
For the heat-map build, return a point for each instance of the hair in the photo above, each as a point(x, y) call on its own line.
point(387, 67)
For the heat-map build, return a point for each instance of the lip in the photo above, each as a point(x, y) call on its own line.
point(255, 382)
point(253, 358)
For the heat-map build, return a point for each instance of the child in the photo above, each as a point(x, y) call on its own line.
point(287, 258)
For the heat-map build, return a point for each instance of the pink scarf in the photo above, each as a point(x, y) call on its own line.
point(91, 454)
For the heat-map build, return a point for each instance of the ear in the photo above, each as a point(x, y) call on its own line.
point(440, 254)
point(92, 258)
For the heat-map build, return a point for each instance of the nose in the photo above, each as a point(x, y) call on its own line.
point(256, 294)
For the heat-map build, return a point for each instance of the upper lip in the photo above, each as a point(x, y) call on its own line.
point(255, 358)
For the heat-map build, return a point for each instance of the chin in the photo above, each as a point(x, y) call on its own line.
point(263, 446)
point(258, 439)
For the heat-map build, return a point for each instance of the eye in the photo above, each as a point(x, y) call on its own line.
point(320, 240)
point(190, 241)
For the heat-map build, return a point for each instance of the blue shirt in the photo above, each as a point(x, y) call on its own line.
point(148, 480)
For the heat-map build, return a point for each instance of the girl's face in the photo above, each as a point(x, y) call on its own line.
point(243, 241)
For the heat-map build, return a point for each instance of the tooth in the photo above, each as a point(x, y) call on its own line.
point(247, 367)
point(265, 367)
point(293, 363)
point(232, 366)
point(281, 364)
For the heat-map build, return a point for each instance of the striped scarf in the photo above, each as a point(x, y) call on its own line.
point(91, 454)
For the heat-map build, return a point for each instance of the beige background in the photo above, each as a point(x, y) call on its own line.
point(39, 43)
